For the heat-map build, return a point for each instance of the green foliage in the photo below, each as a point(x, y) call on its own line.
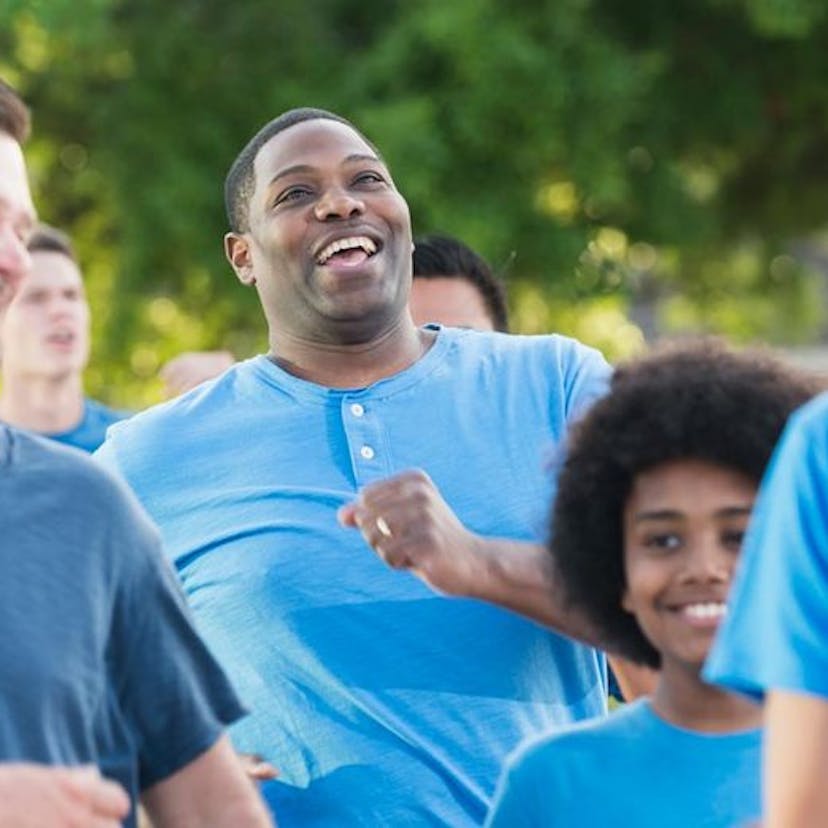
point(609, 145)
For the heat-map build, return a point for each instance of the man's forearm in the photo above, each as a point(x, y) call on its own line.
point(520, 577)
point(212, 791)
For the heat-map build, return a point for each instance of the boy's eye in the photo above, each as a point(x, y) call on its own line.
point(662, 541)
point(733, 538)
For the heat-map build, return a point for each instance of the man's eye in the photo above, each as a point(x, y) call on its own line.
point(293, 194)
point(369, 177)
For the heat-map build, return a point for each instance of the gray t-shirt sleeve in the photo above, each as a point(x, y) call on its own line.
point(172, 692)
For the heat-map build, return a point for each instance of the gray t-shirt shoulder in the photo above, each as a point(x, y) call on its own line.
point(100, 659)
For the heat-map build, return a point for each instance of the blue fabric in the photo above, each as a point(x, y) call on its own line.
point(632, 768)
point(100, 663)
point(381, 702)
point(780, 595)
point(89, 433)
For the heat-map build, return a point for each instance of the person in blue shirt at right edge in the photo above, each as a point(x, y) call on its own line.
point(653, 499)
point(775, 642)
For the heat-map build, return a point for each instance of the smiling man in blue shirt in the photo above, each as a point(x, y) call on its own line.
point(382, 702)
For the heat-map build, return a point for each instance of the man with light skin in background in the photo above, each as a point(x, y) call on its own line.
point(30, 794)
point(75, 647)
point(44, 349)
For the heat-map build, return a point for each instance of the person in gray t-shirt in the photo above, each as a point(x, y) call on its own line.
point(101, 665)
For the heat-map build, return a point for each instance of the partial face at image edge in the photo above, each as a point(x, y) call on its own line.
point(17, 218)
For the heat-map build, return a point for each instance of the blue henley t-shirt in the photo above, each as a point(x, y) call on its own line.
point(381, 702)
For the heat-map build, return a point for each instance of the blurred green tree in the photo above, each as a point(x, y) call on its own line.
point(625, 152)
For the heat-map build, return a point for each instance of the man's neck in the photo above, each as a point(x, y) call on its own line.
point(356, 365)
point(46, 405)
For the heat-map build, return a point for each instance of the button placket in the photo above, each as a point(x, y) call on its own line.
point(363, 430)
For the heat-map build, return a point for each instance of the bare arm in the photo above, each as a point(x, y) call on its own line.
point(796, 755)
point(212, 791)
point(409, 525)
point(39, 796)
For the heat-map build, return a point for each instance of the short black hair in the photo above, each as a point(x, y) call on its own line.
point(697, 401)
point(438, 256)
point(241, 180)
point(14, 114)
point(48, 239)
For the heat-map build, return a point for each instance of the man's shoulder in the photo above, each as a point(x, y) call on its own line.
point(549, 348)
point(103, 413)
point(812, 417)
point(41, 464)
point(194, 406)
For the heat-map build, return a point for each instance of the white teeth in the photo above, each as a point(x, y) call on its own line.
point(347, 244)
point(709, 610)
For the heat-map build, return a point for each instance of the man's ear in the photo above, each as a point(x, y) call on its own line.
point(237, 250)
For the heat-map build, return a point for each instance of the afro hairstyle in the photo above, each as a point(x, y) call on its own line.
point(696, 400)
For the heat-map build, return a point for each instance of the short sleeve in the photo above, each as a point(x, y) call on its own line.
point(173, 694)
point(776, 634)
point(587, 375)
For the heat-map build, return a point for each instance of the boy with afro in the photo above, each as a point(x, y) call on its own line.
point(653, 500)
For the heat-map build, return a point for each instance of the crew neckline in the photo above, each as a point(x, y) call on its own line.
point(663, 724)
point(383, 388)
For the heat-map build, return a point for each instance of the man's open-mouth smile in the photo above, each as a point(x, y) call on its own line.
point(350, 251)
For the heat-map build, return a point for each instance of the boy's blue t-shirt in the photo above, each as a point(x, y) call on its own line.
point(90, 432)
point(380, 701)
point(632, 769)
point(776, 633)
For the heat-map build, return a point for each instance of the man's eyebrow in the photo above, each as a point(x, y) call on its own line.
point(296, 169)
point(364, 157)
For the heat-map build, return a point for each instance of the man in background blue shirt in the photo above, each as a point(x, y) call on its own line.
point(44, 349)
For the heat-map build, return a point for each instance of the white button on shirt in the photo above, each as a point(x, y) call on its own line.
point(367, 452)
point(357, 410)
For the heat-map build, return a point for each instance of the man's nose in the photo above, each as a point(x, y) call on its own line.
point(337, 203)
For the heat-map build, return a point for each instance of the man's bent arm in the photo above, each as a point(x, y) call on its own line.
point(212, 791)
point(409, 525)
